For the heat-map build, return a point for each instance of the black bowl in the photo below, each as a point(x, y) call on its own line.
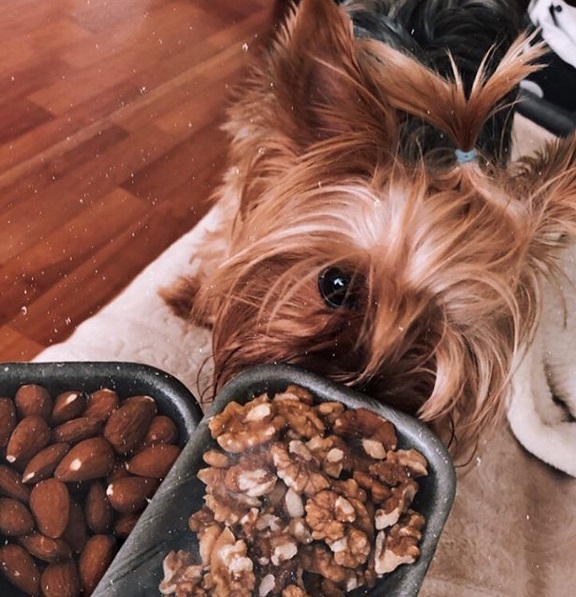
point(127, 379)
point(137, 570)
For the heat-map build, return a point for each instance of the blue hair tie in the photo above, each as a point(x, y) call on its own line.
point(463, 157)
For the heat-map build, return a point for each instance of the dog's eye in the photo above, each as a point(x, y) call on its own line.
point(335, 286)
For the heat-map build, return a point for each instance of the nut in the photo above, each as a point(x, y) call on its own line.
point(11, 484)
point(68, 405)
point(32, 399)
point(30, 435)
point(45, 462)
point(99, 513)
point(101, 404)
point(75, 430)
point(241, 427)
point(15, 518)
point(20, 569)
point(60, 579)
point(124, 523)
point(90, 459)
point(45, 548)
point(76, 533)
point(94, 560)
point(50, 505)
point(129, 494)
point(7, 420)
point(154, 461)
point(162, 430)
point(127, 426)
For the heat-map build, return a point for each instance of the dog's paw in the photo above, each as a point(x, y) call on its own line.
point(180, 296)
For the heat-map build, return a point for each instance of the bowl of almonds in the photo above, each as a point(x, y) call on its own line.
point(292, 485)
point(83, 448)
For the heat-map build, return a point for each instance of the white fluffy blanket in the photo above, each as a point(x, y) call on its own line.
point(509, 533)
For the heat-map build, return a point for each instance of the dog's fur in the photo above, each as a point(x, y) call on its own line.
point(343, 156)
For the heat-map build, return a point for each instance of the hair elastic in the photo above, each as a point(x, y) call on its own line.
point(463, 157)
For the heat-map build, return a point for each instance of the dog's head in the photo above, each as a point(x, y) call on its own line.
point(365, 254)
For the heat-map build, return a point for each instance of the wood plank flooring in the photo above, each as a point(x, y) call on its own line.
point(109, 145)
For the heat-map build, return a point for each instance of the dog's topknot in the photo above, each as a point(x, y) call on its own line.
point(439, 34)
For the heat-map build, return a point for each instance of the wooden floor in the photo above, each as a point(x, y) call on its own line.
point(109, 145)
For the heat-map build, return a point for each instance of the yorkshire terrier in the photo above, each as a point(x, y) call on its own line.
point(376, 231)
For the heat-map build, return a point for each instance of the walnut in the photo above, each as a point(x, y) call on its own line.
point(353, 549)
point(350, 488)
point(206, 540)
point(231, 570)
point(364, 515)
point(301, 417)
point(241, 427)
point(181, 576)
point(294, 591)
point(400, 544)
point(379, 492)
point(362, 424)
point(254, 481)
point(331, 453)
point(303, 476)
point(330, 411)
point(201, 519)
point(298, 393)
point(318, 559)
point(401, 497)
point(412, 460)
point(228, 506)
point(293, 504)
point(216, 459)
point(300, 530)
point(323, 517)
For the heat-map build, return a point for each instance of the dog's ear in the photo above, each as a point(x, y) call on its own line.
point(546, 184)
point(312, 82)
point(314, 69)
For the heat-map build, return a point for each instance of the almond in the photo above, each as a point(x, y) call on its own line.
point(90, 459)
point(45, 462)
point(68, 405)
point(94, 560)
point(76, 430)
point(32, 399)
point(60, 579)
point(30, 435)
point(99, 513)
point(162, 430)
point(50, 505)
point(15, 518)
point(76, 533)
point(118, 471)
point(7, 420)
point(154, 461)
point(101, 404)
point(127, 426)
point(45, 548)
point(129, 494)
point(124, 524)
point(11, 484)
point(20, 569)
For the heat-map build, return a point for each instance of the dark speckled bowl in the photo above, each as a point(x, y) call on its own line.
point(127, 379)
point(137, 569)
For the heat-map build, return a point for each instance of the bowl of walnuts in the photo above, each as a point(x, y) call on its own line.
point(292, 485)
